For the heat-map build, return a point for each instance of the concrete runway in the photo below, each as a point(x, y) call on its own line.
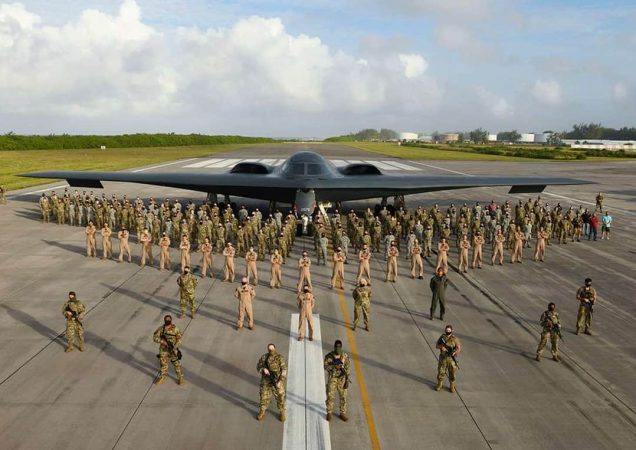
point(105, 397)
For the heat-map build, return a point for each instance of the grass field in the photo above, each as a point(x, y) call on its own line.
point(446, 153)
point(14, 162)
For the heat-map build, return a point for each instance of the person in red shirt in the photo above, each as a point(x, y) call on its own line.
point(593, 227)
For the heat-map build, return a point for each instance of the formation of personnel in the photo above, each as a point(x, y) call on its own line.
point(207, 228)
point(415, 232)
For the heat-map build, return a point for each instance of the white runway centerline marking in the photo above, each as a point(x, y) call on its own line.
point(401, 166)
point(306, 426)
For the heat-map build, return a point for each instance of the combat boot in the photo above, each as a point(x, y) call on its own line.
point(588, 332)
point(441, 317)
point(438, 387)
point(578, 331)
point(160, 380)
point(81, 347)
point(452, 387)
point(432, 315)
point(181, 380)
point(182, 316)
point(68, 349)
point(556, 358)
point(261, 414)
point(193, 313)
point(355, 325)
point(328, 416)
point(368, 328)
point(282, 416)
point(538, 357)
point(344, 417)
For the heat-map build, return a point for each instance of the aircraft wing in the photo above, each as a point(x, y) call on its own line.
point(272, 186)
point(359, 187)
point(259, 186)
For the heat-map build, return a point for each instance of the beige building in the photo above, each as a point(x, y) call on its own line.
point(448, 137)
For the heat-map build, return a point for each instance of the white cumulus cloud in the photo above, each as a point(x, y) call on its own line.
point(414, 65)
point(548, 92)
point(115, 67)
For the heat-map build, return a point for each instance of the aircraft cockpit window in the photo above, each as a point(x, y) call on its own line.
point(314, 169)
point(298, 168)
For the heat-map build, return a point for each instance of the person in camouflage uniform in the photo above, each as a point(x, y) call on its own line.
point(449, 347)
point(551, 329)
point(273, 370)
point(74, 311)
point(169, 337)
point(586, 295)
point(338, 369)
point(362, 299)
point(187, 284)
point(3, 196)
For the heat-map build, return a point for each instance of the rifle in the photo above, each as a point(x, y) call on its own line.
point(339, 364)
point(589, 303)
point(449, 353)
point(274, 378)
point(74, 315)
point(557, 330)
point(171, 348)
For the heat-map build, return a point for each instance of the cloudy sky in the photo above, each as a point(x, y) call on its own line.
point(314, 67)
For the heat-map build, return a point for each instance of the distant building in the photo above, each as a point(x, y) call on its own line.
point(408, 136)
point(492, 138)
point(425, 138)
point(449, 137)
point(600, 144)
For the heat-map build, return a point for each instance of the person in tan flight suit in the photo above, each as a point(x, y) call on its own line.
point(146, 247)
point(337, 274)
point(498, 248)
point(250, 265)
point(442, 255)
point(124, 247)
point(228, 268)
point(478, 244)
point(91, 245)
point(517, 252)
point(184, 246)
point(391, 263)
point(363, 266)
point(245, 294)
point(417, 265)
point(539, 249)
point(306, 303)
point(164, 252)
point(206, 254)
point(107, 243)
point(464, 246)
point(304, 274)
point(276, 280)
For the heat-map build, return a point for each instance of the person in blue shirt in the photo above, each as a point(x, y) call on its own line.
point(607, 225)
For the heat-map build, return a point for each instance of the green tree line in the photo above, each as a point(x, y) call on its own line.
point(368, 134)
point(11, 141)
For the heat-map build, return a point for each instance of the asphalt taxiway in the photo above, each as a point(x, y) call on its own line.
point(105, 397)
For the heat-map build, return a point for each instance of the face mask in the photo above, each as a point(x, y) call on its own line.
point(167, 322)
point(338, 350)
point(449, 332)
point(272, 351)
point(588, 285)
